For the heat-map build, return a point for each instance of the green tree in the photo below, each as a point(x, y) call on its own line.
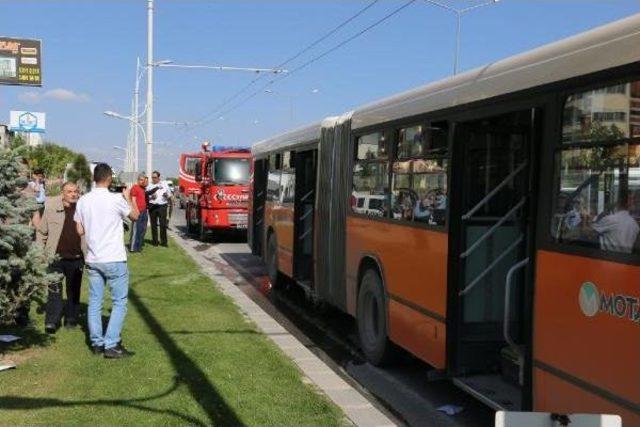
point(80, 173)
point(51, 158)
point(23, 263)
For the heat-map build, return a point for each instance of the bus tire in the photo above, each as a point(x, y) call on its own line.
point(372, 320)
point(272, 262)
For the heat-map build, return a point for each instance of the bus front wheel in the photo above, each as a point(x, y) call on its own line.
point(372, 320)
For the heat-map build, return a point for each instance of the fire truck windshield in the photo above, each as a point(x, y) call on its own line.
point(231, 171)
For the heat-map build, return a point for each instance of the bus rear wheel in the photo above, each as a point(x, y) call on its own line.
point(272, 262)
point(372, 320)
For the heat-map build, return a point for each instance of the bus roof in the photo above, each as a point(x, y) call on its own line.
point(301, 135)
point(611, 45)
point(608, 46)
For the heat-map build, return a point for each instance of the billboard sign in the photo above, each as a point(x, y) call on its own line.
point(20, 62)
point(27, 121)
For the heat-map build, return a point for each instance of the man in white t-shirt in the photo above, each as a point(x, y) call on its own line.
point(617, 231)
point(99, 215)
point(159, 199)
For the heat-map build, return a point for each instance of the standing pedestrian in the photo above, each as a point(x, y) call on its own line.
point(139, 227)
point(99, 216)
point(37, 187)
point(58, 234)
point(159, 197)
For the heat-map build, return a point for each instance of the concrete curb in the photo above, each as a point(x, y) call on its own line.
point(354, 405)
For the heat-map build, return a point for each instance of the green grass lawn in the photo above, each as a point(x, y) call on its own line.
point(197, 362)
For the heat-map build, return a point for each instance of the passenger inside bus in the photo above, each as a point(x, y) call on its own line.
point(617, 231)
point(598, 193)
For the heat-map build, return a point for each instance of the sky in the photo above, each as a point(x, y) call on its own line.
point(90, 49)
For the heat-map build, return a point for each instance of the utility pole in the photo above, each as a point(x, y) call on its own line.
point(149, 133)
point(136, 93)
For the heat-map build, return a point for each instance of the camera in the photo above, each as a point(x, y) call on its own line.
point(117, 188)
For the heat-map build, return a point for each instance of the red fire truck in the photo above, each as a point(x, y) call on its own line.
point(214, 188)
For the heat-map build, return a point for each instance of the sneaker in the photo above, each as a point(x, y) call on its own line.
point(50, 328)
point(97, 349)
point(117, 352)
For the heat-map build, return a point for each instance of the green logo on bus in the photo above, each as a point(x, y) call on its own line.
point(592, 301)
point(589, 299)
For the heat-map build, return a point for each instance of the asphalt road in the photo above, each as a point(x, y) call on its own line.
point(404, 391)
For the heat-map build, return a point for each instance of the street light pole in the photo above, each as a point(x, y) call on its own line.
point(459, 13)
point(289, 98)
point(149, 106)
point(136, 94)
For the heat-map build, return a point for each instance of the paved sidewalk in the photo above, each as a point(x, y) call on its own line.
point(355, 406)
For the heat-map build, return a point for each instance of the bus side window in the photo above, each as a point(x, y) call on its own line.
point(370, 184)
point(288, 178)
point(597, 193)
point(419, 174)
point(273, 178)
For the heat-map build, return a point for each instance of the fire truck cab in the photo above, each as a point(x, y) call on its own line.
point(214, 189)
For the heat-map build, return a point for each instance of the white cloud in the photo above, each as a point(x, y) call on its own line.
point(59, 94)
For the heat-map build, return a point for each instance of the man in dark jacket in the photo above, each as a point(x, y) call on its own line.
point(58, 234)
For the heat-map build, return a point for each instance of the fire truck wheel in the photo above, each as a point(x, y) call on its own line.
point(202, 231)
point(372, 320)
point(272, 262)
point(189, 214)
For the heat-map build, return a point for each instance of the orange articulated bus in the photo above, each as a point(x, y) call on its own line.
point(486, 223)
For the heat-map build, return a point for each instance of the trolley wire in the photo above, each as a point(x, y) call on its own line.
point(301, 67)
point(227, 101)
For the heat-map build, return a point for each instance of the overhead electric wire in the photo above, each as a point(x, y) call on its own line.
point(316, 58)
point(287, 61)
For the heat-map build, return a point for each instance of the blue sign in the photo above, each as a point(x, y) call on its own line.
point(27, 121)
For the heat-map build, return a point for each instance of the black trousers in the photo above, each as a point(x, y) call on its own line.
point(158, 213)
point(72, 272)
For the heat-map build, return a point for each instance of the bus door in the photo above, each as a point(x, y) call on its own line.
point(256, 228)
point(304, 213)
point(490, 236)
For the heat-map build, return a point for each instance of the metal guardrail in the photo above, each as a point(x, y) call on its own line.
point(491, 266)
point(303, 198)
point(493, 192)
point(493, 229)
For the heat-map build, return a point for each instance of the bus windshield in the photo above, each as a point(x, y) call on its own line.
point(231, 171)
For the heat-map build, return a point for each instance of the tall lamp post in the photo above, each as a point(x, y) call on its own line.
point(149, 107)
point(289, 98)
point(459, 13)
point(151, 65)
point(126, 162)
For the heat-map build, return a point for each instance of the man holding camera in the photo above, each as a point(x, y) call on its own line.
point(99, 215)
point(159, 198)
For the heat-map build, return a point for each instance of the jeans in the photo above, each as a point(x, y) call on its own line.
point(158, 213)
point(116, 274)
point(71, 270)
point(138, 230)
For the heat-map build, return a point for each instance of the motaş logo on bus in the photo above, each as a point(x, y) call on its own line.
point(592, 302)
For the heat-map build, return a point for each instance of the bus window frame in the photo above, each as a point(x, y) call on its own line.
point(433, 154)
point(393, 129)
point(552, 166)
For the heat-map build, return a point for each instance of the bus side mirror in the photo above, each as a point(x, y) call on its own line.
point(198, 176)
